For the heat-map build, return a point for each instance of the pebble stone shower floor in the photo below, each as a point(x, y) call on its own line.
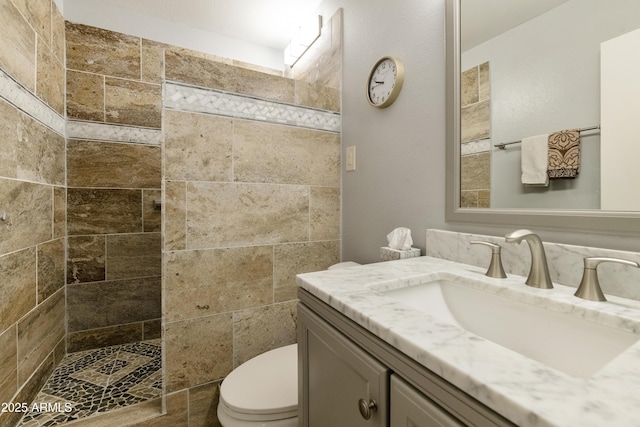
point(95, 381)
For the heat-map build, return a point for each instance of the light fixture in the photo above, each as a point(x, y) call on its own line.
point(307, 33)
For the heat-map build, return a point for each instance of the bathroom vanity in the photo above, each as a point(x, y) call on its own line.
point(394, 343)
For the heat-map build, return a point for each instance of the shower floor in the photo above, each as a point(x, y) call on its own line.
point(96, 381)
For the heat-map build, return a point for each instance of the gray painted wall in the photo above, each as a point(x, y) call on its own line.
point(400, 176)
point(545, 76)
point(399, 179)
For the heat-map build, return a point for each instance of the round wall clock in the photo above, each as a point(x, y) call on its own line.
point(385, 82)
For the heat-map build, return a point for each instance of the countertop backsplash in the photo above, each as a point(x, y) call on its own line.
point(565, 261)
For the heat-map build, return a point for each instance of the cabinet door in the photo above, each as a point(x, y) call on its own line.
point(337, 376)
point(410, 408)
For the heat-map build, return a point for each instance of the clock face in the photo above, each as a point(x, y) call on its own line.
point(385, 82)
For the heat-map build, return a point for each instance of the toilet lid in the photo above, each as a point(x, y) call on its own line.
point(266, 384)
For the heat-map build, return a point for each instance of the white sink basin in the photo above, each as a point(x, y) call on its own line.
point(570, 344)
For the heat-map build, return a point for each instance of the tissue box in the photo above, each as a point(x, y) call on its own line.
point(388, 254)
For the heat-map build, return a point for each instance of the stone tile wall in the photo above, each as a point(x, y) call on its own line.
point(250, 202)
point(114, 106)
point(475, 131)
point(32, 194)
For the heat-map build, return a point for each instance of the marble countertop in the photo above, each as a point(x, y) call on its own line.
point(523, 390)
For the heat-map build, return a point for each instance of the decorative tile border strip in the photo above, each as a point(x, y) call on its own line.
point(21, 98)
point(108, 132)
point(475, 147)
point(200, 100)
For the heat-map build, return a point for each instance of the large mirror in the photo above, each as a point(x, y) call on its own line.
point(531, 68)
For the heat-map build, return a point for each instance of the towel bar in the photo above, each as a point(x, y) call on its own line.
point(504, 144)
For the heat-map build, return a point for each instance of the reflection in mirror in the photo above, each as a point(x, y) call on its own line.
point(533, 70)
point(612, 221)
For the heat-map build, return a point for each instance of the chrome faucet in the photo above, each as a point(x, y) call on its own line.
point(539, 274)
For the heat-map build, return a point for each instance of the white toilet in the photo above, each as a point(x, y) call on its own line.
point(263, 392)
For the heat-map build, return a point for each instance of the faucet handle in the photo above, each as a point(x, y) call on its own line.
point(495, 267)
point(590, 285)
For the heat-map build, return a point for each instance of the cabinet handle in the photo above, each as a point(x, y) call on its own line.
point(367, 408)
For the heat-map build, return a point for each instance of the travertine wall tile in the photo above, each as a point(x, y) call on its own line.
point(85, 96)
point(8, 364)
point(475, 121)
point(221, 214)
point(254, 331)
point(57, 32)
point(475, 172)
point(29, 209)
point(152, 61)
point(113, 165)
point(318, 72)
point(317, 95)
point(102, 304)
point(29, 150)
point(133, 103)
point(29, 391)
point(38, 14)
point(198, 147)
point(271, 153)
point(151, 329)
point(263, 85)
point(59, 212)
point(175, 215)
point(484, 82)
point(295, 258)
point(186, 68)
point(151, 215)
point(50, 78)
point(103, 211)
point(104, 337)
point(86, 259)
point(475, 165)
point(32, 193)
point(177, 415)
point(195, 70)
point(101, 51)
point(39, 333)
point(325, 213)
point(51, 268)
point(133, 255)
point(469, 87)
point(283, 196)
point(237, 278)
point(203, 401)
point(18, 296)
point(18, 47)
point(209, 341)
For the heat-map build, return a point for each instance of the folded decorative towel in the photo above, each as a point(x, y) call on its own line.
point(534, 160)
point(564, 154)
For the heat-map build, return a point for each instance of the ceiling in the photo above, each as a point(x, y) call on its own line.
point(269, 23)
point(482, 20)
point(272, 23)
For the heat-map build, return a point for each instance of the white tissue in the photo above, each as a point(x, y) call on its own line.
point(400, 239)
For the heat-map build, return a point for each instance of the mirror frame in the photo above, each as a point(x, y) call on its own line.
point(606, 222)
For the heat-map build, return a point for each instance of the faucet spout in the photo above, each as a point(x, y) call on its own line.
point(539, 273)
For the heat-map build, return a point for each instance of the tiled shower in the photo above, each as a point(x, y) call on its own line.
point(158, 203)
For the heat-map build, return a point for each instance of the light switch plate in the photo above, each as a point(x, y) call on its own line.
point(350, 161)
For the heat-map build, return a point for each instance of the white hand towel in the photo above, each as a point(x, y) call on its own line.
point(534, 160)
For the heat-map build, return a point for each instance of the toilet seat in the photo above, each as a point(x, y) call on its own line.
point(263, 388)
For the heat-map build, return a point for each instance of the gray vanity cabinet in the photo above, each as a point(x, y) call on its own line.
point(339, 377)
point(349, 377)
point(410, 408)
